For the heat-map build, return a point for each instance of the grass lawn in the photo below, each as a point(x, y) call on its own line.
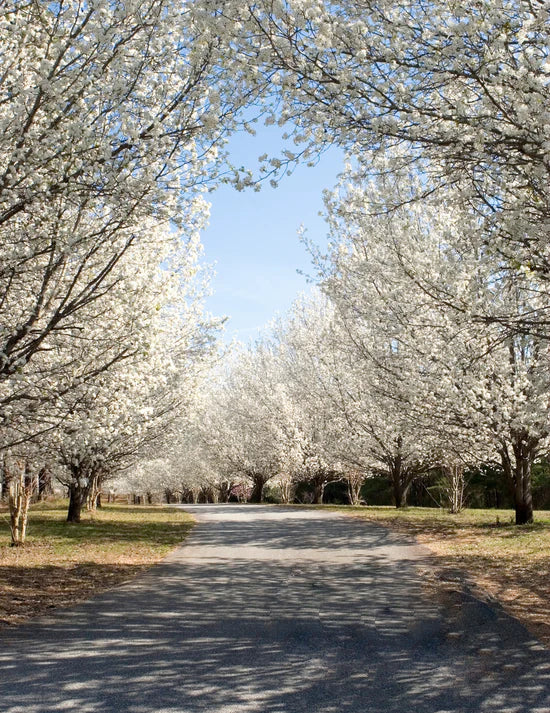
point(509, 562)
point(62, 563)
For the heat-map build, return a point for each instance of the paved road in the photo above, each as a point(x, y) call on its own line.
point(276, 611)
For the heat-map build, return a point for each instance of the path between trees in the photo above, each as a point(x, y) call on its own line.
point(270, 610)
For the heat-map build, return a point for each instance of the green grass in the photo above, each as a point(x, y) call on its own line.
point(115, 526)
point(487, 528)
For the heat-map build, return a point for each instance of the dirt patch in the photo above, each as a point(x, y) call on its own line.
point(26, 592)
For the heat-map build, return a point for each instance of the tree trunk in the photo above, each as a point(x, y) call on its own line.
point(400, 485)
point(257, 493)
point(224, 491)
point(189, 495)
point(354, 480)
point(20, 492)
point(454, 487)
point(318, 491)
point(523, 497)
point(3, 483)
point(286, 491)
point(205, 495)
point(93, 494)
point(399, 494)
point(518, 475)
point(77, 499)
point(401, 478)
point(44, 483)
point(186, 496)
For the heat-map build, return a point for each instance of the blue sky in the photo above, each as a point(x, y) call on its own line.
point(252, 238)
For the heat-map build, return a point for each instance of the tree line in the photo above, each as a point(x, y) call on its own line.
point(428, 341)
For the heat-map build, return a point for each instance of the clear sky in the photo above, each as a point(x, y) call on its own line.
point(252, 238)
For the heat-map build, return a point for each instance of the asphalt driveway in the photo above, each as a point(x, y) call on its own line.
point(270, 610)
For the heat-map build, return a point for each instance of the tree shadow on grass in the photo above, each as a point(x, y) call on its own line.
point(522, 589)
point(95, 531)
point(27, 592)
point(510, 562)
point(62, 563)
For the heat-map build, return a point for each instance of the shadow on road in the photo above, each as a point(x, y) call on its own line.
point(277, 612)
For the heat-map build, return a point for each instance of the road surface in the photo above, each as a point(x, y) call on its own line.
point(268, 610)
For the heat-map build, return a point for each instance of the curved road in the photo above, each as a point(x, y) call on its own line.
point(267, 610)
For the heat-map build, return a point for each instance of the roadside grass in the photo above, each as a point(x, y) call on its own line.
point(484, 548)
point(63, 563)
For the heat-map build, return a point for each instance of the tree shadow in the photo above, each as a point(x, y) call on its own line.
point(27, 592)
point(277, 614)
point(95, 531)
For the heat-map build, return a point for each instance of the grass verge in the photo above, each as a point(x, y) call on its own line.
point(63, 563)
point(511, 563)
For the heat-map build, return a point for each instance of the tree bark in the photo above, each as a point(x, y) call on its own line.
point(518, 475)
point(354, 480)
point(318, 491)
point(224, 491)
point(400, 476)
point(399, 494)
point(21, 488)
point(77, 499)
point(454, 487)
point(207, 494)
point(257, 493)
point(401, 482)
point(187, 496)
point(93, 501)
point(44, 483)
point(286, 490)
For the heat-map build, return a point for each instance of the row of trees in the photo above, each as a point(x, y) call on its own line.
point(430, 343)
point(436, 347)
point(389, 369)
point(112, 119)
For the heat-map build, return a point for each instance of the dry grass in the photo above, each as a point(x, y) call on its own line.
point(511, 563)
point(63, 563)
